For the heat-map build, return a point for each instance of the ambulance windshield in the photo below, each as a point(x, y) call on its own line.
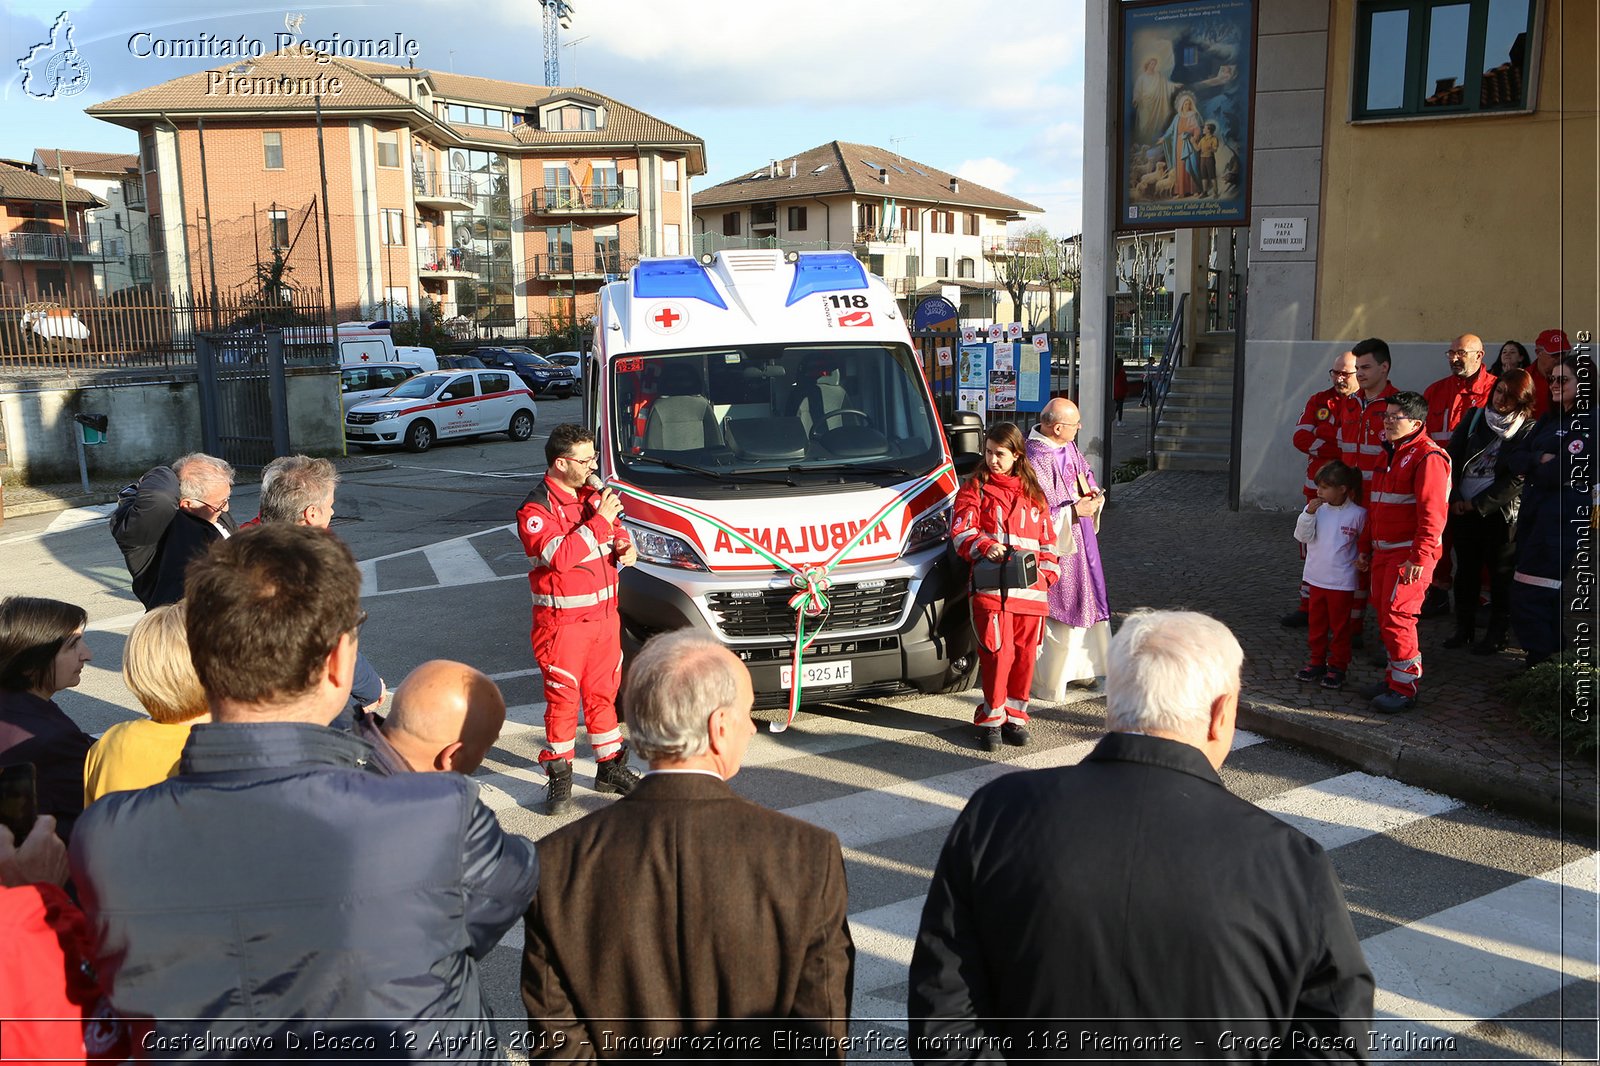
point(817, 409)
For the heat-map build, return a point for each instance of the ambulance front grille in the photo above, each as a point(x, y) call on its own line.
point(766, 612)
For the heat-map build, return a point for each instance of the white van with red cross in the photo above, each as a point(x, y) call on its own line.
point(784, 473)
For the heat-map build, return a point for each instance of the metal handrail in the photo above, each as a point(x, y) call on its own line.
point(1157, 385)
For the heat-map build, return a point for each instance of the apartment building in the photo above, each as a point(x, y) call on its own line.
point(118, 234)
point(42, 250)
point(923, 230)
point(507, 205)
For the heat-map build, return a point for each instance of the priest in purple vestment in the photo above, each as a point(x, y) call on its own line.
point(1079, 631)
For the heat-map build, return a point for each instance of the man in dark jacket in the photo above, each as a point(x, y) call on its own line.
point(1136, 896)
point(167, 518)
point(734, 922)
point(275, 888)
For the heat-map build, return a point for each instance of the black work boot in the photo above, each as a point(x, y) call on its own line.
point(1435, 602)
point(613, 775)
point(558, 789)
point(989, 737)
point(1014, 733)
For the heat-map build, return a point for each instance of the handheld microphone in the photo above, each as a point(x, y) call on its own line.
point(622, 539)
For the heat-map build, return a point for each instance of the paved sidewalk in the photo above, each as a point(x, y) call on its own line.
point(1169, 541)
point(21, 500)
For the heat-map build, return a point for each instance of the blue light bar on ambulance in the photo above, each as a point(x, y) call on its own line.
point(826, 272)
point(684, 279)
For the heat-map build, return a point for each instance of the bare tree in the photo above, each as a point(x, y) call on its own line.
point(1033, 260)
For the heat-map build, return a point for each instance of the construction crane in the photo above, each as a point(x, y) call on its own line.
point(557, 17)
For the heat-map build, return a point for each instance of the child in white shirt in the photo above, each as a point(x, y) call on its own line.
point(1329, 528)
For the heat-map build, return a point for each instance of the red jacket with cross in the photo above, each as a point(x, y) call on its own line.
point(1451, 397)
point(1361, 431)
point(1318, 435)
point(572, 568)
point(999, 513)
point(1408, 501)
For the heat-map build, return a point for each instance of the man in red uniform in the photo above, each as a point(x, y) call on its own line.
point(1361, 433)
point(1468, 385)
point(1547, 350)
point(575, 545)
point(1406, 511)
point(1317, 436)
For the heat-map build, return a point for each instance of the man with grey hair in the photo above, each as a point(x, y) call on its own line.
point(730, 913)
point(298, 489)
point(1135, 893)
point(169, 517)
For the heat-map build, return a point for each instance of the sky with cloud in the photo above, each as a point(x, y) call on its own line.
point(998, 101)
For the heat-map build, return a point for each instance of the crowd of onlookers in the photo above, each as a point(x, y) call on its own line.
point(284, 846)
point(1473, 492)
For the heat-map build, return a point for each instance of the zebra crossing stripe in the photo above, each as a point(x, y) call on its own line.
point(450, 552)
point(861, 819)
point(1482, 958)
point(457, 562)
point(1347, 808)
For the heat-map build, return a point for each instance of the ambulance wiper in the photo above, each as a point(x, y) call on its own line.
point(848, 468)
point(713, 475)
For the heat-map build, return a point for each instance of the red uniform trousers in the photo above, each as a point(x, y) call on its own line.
point(1330, 627)
point(1397, 607)
point(582, 665)
point(1008, 650)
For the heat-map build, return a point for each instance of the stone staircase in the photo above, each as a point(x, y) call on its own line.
point(1196, 424)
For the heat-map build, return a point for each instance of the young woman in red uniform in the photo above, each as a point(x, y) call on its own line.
point(1002, 507)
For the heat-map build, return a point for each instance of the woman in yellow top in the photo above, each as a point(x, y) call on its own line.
point(156, 669)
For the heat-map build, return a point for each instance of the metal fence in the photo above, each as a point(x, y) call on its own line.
point(84, 331)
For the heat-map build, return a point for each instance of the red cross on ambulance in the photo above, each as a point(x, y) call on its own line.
point(667, 317)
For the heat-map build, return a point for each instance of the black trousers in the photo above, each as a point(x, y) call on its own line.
point(1483, 543)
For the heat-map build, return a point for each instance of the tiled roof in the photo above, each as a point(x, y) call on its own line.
point(203, 92)
point(89, 162)
point(17, 183)
point(840, 167)
point(625, 126)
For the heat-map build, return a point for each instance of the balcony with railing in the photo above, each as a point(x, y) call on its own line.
point(43, 247)
point(440, 193)
point(584, 266)
point(584, 200)
point(880, 235)
point(446, 264)
point(139, 266)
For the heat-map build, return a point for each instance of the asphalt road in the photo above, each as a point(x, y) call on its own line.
point(1480, 928)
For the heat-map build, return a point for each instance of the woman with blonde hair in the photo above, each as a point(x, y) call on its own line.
point(156, 669)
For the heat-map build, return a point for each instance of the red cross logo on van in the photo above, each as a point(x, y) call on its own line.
point(667, 318)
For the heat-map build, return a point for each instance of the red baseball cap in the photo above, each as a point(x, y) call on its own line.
point(1552, 342)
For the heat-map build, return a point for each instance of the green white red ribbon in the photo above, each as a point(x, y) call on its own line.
point(811, 581)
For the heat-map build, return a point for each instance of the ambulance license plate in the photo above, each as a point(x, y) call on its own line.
point(817, 675)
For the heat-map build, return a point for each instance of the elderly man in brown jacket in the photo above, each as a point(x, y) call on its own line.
point(683, 921)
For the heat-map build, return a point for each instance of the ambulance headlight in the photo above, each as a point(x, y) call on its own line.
point(929, 530)
point(664, 549)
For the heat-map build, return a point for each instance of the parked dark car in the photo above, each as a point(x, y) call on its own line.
point(539, 373)
point(461, 362)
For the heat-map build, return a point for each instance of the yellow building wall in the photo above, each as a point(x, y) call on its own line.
point(1488, 225)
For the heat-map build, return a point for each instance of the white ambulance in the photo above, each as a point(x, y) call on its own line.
point(783, 470)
